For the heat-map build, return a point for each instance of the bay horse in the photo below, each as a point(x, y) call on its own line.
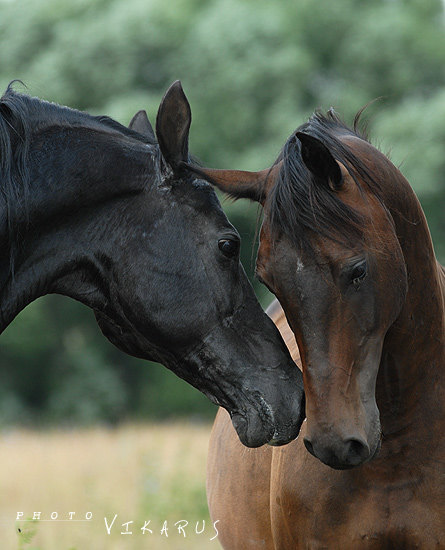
point(345, 247)
point(106, 215)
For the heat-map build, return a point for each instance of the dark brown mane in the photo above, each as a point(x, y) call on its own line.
point(299, 202)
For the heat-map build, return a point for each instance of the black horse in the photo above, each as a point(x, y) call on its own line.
point(106, 215)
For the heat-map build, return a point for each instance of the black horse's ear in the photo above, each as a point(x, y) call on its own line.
point(318, 159)
point(173, 124)
point(140, 123)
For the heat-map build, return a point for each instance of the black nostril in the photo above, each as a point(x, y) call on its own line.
point(356, 451)
point(338, 453)
point(309, 446)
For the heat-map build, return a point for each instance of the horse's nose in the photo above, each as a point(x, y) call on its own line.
point(340, 454)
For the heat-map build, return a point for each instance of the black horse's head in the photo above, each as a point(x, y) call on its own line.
point(108, 216)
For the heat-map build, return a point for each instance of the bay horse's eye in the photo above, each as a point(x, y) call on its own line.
point(358, 273)
point(229, 247)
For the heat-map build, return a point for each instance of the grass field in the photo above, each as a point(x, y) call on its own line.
point(134, 473)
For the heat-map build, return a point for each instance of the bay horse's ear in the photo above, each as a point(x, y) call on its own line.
point(140, 123)
point(318, 159)
point(173, 124)
point(238, 183)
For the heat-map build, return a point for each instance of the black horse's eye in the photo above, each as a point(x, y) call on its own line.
point(229, 247)
point(358, 273)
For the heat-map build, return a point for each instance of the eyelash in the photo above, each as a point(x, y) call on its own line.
point(358, 273)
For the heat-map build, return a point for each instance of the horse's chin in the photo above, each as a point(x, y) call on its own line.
point(251, 429)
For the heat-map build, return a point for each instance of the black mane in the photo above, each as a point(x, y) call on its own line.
point(299, 202)
point(35, 112)
point(20, 117)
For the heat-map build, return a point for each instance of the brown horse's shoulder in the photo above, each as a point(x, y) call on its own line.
point(238, 489)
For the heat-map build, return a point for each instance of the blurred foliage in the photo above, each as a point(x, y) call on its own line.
point(253, 71)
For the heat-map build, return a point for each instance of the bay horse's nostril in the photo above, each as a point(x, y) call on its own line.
point(309, 446)
point(357, 451)
point(338, 453)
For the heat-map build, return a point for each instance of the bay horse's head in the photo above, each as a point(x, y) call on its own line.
point(330, 253)
point(108, 216)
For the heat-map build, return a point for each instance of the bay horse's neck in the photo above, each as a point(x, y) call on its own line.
point(411, 382)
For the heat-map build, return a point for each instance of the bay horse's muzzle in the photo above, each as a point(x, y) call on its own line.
point(340, 454)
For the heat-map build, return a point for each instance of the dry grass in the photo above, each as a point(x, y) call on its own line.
point(140, 473)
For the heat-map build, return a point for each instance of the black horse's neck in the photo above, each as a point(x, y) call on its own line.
point(49, 233)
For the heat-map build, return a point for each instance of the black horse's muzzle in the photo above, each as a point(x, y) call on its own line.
point(259, 385)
